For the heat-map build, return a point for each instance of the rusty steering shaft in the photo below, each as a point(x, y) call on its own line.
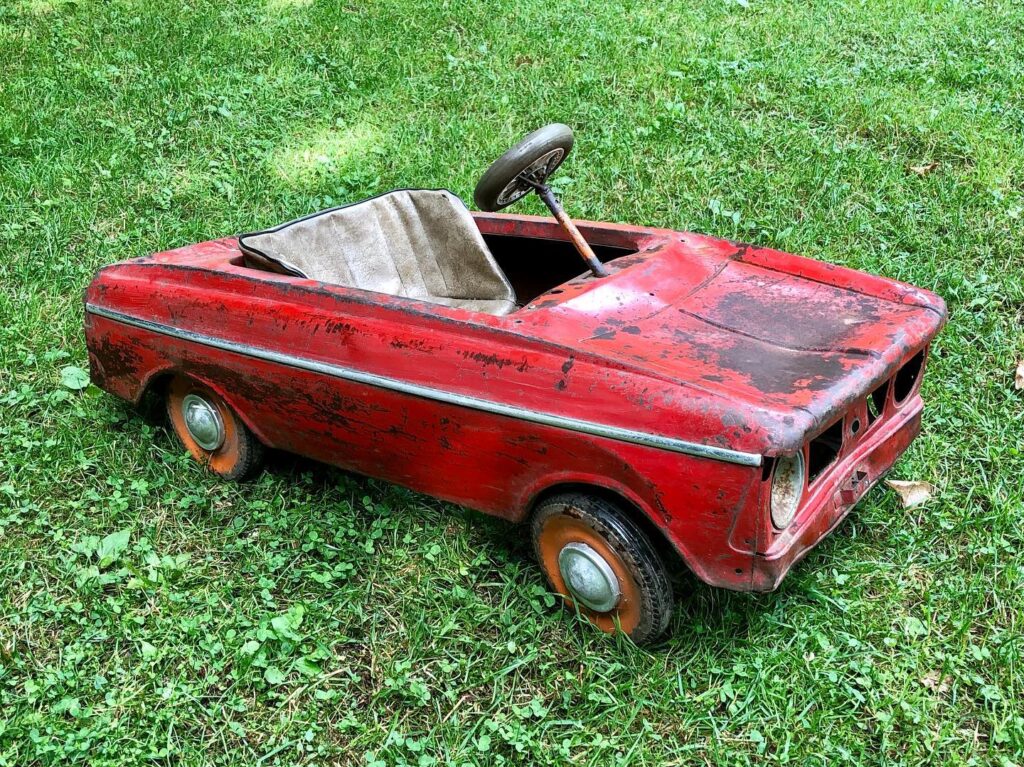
point(584, 249)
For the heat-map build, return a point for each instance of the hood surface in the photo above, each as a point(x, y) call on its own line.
point(789, 340)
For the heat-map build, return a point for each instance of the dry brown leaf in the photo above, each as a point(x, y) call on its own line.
point(911, 493)
point(1018, 376)
point(924, 170)
point(936, 682)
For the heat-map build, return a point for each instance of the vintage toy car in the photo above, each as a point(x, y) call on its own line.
point(684, 396)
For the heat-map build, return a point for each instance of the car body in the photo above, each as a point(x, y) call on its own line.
point(676, 384)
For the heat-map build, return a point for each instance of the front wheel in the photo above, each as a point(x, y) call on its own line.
point(601, 562)
point(211, 431)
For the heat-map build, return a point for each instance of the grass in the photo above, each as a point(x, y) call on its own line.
point(151, 615)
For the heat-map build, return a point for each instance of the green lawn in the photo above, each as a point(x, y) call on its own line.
point(152, 615)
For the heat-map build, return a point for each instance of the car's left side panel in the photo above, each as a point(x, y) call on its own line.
point(273, 350)
point(494, 463)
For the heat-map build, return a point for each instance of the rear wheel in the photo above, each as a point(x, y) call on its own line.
point(210, 430)
point(603, 564)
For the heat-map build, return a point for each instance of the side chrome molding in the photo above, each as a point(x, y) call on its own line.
point(438, 395)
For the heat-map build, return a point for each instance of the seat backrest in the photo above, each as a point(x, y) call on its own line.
point(417, 243)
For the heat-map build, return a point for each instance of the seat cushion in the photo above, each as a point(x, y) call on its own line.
point(416, 243)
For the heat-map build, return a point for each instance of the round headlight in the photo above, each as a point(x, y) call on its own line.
point(787, 489)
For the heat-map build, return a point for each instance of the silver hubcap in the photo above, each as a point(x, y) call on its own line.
point(589, 577)
point(203, 422)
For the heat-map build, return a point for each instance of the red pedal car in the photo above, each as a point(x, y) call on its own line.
point(670, 392)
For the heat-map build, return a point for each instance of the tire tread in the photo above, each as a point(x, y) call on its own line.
point(630, 542)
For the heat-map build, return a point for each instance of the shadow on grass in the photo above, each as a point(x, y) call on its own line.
point(703, 614)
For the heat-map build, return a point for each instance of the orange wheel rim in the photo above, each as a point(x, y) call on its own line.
point(228, 454)
point(561, 530)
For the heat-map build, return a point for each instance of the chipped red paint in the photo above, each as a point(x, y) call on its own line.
point(698, 339)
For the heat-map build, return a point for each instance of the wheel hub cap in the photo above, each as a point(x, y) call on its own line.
point(203, 422)
point(589, 577)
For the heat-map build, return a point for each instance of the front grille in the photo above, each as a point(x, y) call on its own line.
point(839, 438)
point(906, 380)
point(823, 450)
point(876, 402)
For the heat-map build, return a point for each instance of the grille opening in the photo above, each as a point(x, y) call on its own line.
point(876, 403)
point(906, 379)
point(823, 450)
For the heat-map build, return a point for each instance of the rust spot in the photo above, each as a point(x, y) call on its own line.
point(488, 360)
point(118, 360)
point(343, 328)
point(742, 248)
point(416, 344)
point(822, 320)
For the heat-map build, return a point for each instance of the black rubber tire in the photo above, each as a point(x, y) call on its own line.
point(507, 168)
point(241, 455)
point(607, 521)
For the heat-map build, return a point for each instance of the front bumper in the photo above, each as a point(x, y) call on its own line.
point(836, 492)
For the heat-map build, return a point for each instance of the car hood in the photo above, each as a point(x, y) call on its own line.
point(788, 341)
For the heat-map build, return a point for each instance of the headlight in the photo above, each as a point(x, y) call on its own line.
point(787, 489)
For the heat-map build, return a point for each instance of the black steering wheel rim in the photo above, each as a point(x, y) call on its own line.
point(527, 164)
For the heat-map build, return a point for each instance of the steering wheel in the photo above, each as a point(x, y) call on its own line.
point(523, 167)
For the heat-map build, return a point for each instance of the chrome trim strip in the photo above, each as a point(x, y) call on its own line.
point(416, 390)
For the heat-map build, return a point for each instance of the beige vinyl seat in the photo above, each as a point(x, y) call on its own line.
point(416, 243)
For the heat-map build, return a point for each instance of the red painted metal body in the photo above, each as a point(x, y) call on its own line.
point(693, 338)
